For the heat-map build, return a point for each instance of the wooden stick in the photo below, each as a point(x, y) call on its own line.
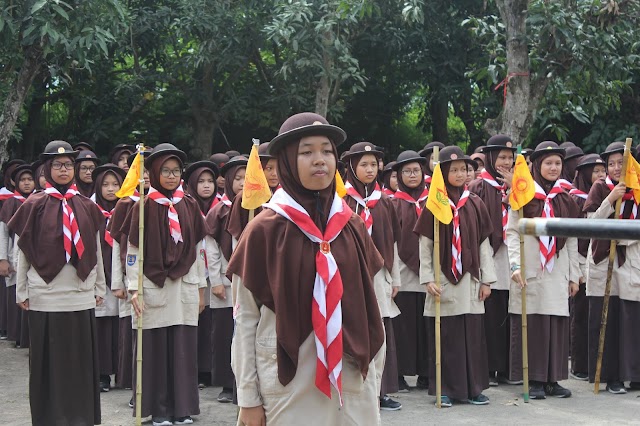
point(607, 288)
point(140, 291)
point(436, 267)
point(252, 213)
point(525, 342)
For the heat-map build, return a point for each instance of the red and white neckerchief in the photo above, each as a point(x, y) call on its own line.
point(107, 215)
point(215, 200)
point(427, 179)
point(578, 193)
point(225, 200)
point(70, 229)
point(326, 311)
point(366, 203)
point(408, 198)
point(388, 192)
point(174, 221)
point(5, 194)
point(486, 176)
point(565, 184)
point(548, 243)
point(456, 238)
point(18, 196)
point(628, 196)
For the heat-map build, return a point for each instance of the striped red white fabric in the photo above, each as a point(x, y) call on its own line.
point(225, 200)
point(174, 220)
point(548, 243)
point(456, 237)
point(409, 199)
point(486, 176)
point(628, 196)
point(18, 196)
point(326, 310)
point(578, 193)
point(107, 215)
point(5, 194)
point(70, 229)
point(388, 192)
point(366, 203)
point(215, 200)
point(564, 184)
point(427, 179)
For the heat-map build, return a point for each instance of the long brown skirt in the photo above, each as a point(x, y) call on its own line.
point(464, 356)
point(169, 371)
point(14, 316)
point(410, 328)
point(497, 330)
point(63, 368)
point(204, 341)
point(3, 305)
point(390, 372)
point(611, 356)
point(108, 329)
point(548, 346)
point(580, 331)
point(221, 336)
point(629, 340)
point(124, 378)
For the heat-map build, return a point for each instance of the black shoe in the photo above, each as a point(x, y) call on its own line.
point(226, 395)
point(634, 386)
point(554, 389)
point(616, 388)
point(204, 380)
point(479, 400)
point(186, 420)
point(131, 403)
point(389, 404)
point(403, 386)
point(161, 421)
point(422, 382)
point(3, 335)
point(579, 376)
point(105, 383)
point(493, 379)
point(536, 390)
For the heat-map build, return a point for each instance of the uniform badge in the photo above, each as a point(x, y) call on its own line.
point(202, 253)
point(131, 259)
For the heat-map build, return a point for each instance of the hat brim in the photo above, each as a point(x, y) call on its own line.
point(231, 164)
point(573, 156)
point(155, 154)
point(335, 133)
point(613, 151)
point(198, 164)
point(466, 159)
point(553, 151)
point(497, 148)
point(108, 168)
point(44, 156)
point(399, 164)
point(349, 154)
point(20, 169)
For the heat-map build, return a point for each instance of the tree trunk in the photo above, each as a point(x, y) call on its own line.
point(205, 117)
point(34, 134)
point(15, 98)
point(323, 90)
point(439, 111)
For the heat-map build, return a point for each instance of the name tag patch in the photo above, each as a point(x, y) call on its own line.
point(131, 259)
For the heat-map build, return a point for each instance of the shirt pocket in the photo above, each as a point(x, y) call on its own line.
point(153, 296)
point(189, 292)
point(352, 380)
point(90, 283)
point(267, 368)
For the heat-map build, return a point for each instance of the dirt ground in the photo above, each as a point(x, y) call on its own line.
point(506, 405)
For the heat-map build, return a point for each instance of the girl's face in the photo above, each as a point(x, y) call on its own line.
point(41, 179)
point(411, 174)
point(457, 173)
point(471, 174)
point(551, 168)
point(367, 169)
point(26, 183)
point(614, 166)
point(62, 171)
point(271, 173)
point(85, 170)
point(316, 162)
point(598, 172)
point(206, 185)
point(393, 181)
point(110, 186)
point(122, 161)
point(170, 174)
point(238, 180)
point(504, 161)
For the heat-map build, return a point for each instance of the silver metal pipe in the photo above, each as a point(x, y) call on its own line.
point(602, 229)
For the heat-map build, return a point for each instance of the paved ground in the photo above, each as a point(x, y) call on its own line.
point(506, 405)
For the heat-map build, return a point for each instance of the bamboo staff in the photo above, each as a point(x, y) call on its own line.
point(436, 266)
point(525, 342)
point(607, 289)
point(140, 287)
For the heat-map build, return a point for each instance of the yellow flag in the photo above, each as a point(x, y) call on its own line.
point(256, 190)
point(340, 188)
point(522, 186)
point(632, 178)
point(132, 180)
point(438, 199)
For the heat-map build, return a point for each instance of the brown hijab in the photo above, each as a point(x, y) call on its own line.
point(386, 227)
point(238, 217)
point(563, 204)
point(86, 189)
point(408, 245)
point(39, 226)
point(219, 216)
point(163, 257)
point(107, 250)
point(286, 287)
point(11, 205)
point(475, 227)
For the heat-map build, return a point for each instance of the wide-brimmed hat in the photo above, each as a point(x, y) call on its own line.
point(86, 155)
point(305, 124)
point(57, 148)
point(219, 158)
point(388, 168)
point(263, 151)
point(362, 148)
point(406, 157)
point(590, 160)
point(238, 160)
point(147, 151)
point(108, 167)
point(526, 152)
point(613, 148)
point(82, 146)
point(498, 143)
point(547, 148)
point(20, 169)
point(567, 144)
point(573, 152)
point(122, 146)
point(233, 153)
point(213, 167)
point(15, 161)
point(164, 149)
point(428, 148)
point(452, 153)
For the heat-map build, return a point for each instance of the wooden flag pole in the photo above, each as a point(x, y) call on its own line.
point(436, 267)
point(140, 290)
point(607, 289)
point(525, 343)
